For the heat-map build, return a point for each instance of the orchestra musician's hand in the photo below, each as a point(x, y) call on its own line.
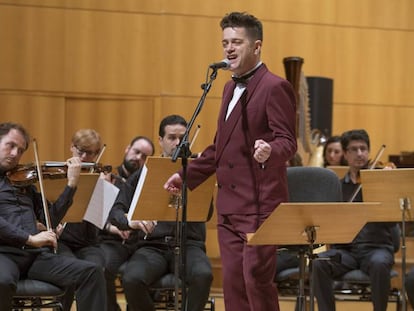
point(174, 184)
point(40, 226)
point(262, 151)
point(74, 169)
point(146, 226)
point(123, 234)
point(43, 238)
point(59, 230)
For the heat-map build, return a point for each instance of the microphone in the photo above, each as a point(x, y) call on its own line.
point(224, 64)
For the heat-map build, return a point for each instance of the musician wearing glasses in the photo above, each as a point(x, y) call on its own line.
point(81, 239)
point(26, 252)
point(371, 251)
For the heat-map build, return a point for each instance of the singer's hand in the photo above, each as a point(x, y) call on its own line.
point(262, 151)
point(173, 184)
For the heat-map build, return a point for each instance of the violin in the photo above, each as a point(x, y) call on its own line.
point(27, 174)
point(375, 164)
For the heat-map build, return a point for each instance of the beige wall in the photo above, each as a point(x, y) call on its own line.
point(120, 66)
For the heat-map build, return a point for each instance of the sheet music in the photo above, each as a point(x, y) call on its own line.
point(138, 191)
point(100, 204)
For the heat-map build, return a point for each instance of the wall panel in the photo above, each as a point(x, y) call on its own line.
point(118, 121)
point(376, 14)
point(372, 67)
point(43, 117)
point(112, 53)
point(155, 53)
point(388, 125)
point(32, 47)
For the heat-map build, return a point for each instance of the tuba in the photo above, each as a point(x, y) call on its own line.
point(310, 142)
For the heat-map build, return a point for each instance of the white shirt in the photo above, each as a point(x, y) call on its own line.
point(237, 93)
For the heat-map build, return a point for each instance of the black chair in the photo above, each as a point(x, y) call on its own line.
point(164, 293)
point(306, 184)
point(355, 286)
point(36, 295)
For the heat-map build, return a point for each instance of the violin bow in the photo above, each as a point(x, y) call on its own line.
point(374, 163)
point(98, 158)
point(42, 191)
point(195, 136)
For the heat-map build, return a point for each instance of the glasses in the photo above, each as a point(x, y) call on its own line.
point(81, 151)
point(355, 149)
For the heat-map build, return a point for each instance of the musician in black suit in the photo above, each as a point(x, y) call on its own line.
point(26, 252)
point(371, 251)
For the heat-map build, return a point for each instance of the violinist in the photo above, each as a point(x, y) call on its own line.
point(118, 245)
point(25, 252)
point(371, 251)
point(81, 239)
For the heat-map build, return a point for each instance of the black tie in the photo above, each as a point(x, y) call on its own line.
point(244, 79)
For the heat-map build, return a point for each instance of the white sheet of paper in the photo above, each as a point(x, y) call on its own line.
point(100, 204)
point(137, 192)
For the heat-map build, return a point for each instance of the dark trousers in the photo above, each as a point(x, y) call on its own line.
point(409, 286)
point(90, 253)
point(87, 278)
point(376, 262)
point(115, 254)
point(149, 264)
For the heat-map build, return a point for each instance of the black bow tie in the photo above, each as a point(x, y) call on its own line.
point(244, 79)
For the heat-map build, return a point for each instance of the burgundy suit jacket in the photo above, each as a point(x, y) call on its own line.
point(244, 186)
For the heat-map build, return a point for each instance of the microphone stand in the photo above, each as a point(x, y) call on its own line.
point(183, 151)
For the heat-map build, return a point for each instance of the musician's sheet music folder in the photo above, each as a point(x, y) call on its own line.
point(152, 202)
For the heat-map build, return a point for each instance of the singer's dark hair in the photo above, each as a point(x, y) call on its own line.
point(253, 26)
point(351, 135)
point(171, 120)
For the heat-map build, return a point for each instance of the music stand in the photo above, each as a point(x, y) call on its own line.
point(339, 170)
point(152, 202)
point(394, 189)
point(310, 223)
point(87, 181)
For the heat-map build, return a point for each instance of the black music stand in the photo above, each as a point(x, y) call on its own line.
point(309, 224)
point(395, 190)
point(152, 202)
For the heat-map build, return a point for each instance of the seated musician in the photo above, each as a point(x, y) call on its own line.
point(409, 286)
point(155, 254)
point(26, 252)
point(119, 244)
point(371, 251)
point(81, 239)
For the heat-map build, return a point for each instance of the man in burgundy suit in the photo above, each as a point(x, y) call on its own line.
point(255, 138)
